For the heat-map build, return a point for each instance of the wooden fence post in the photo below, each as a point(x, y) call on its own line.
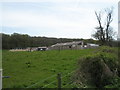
point(59, 80)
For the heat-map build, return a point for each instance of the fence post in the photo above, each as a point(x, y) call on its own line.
point(59, 80)
point(0, 79)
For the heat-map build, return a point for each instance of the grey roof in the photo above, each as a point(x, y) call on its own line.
point(67, 43)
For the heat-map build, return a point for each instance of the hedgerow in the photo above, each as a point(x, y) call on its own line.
point(98, 69)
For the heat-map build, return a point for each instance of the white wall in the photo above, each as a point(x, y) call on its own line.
point(119, 20)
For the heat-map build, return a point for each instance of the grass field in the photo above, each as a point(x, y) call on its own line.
point(28, 68)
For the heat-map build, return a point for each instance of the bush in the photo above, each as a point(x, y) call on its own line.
point(108, 49)
point(96, 70)
point(115, 84)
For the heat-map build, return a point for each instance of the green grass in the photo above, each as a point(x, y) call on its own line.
point(43, 64)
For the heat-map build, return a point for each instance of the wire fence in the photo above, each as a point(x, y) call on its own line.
point(68, 74)
point(39, 82)
point(49, 84)
point(69, 83)
point(58, 80)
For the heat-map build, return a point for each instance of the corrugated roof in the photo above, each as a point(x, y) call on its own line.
point(67, 43)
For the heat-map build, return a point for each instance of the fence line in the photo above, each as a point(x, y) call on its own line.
point(49, 84)
point(70, 83)
point(40, 81)
point(67, 74)
point(67, 84)
point(73, 84)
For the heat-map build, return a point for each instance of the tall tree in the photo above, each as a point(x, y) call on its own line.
point(104, 31)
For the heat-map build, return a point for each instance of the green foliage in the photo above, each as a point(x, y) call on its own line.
point(16, 40)
point(115, 83)
point(98, 69)
point(108, 49)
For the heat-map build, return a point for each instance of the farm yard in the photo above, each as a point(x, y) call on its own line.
point(27, 68)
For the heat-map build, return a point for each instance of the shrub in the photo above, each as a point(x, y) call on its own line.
point(108, 49)
point(97, 70)
point(115, 84)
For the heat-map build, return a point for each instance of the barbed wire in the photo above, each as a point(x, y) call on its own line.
point(40, 81)
point(67, 84)
point(74, 85)
point(47, 79)
point(49, 84)
point(67, 74)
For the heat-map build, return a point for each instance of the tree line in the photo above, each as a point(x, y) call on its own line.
point(17, 40)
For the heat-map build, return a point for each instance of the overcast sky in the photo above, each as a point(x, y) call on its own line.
point(54, 18)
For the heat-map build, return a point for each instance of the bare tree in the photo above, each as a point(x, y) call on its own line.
point(109, 19)
point(100, 28)
point(104, 31)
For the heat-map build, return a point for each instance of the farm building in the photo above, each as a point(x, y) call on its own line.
point(42, 48)
point(67, 45)
point(60, 46)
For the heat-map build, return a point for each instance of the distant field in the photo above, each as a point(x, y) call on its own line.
point(27, 68)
